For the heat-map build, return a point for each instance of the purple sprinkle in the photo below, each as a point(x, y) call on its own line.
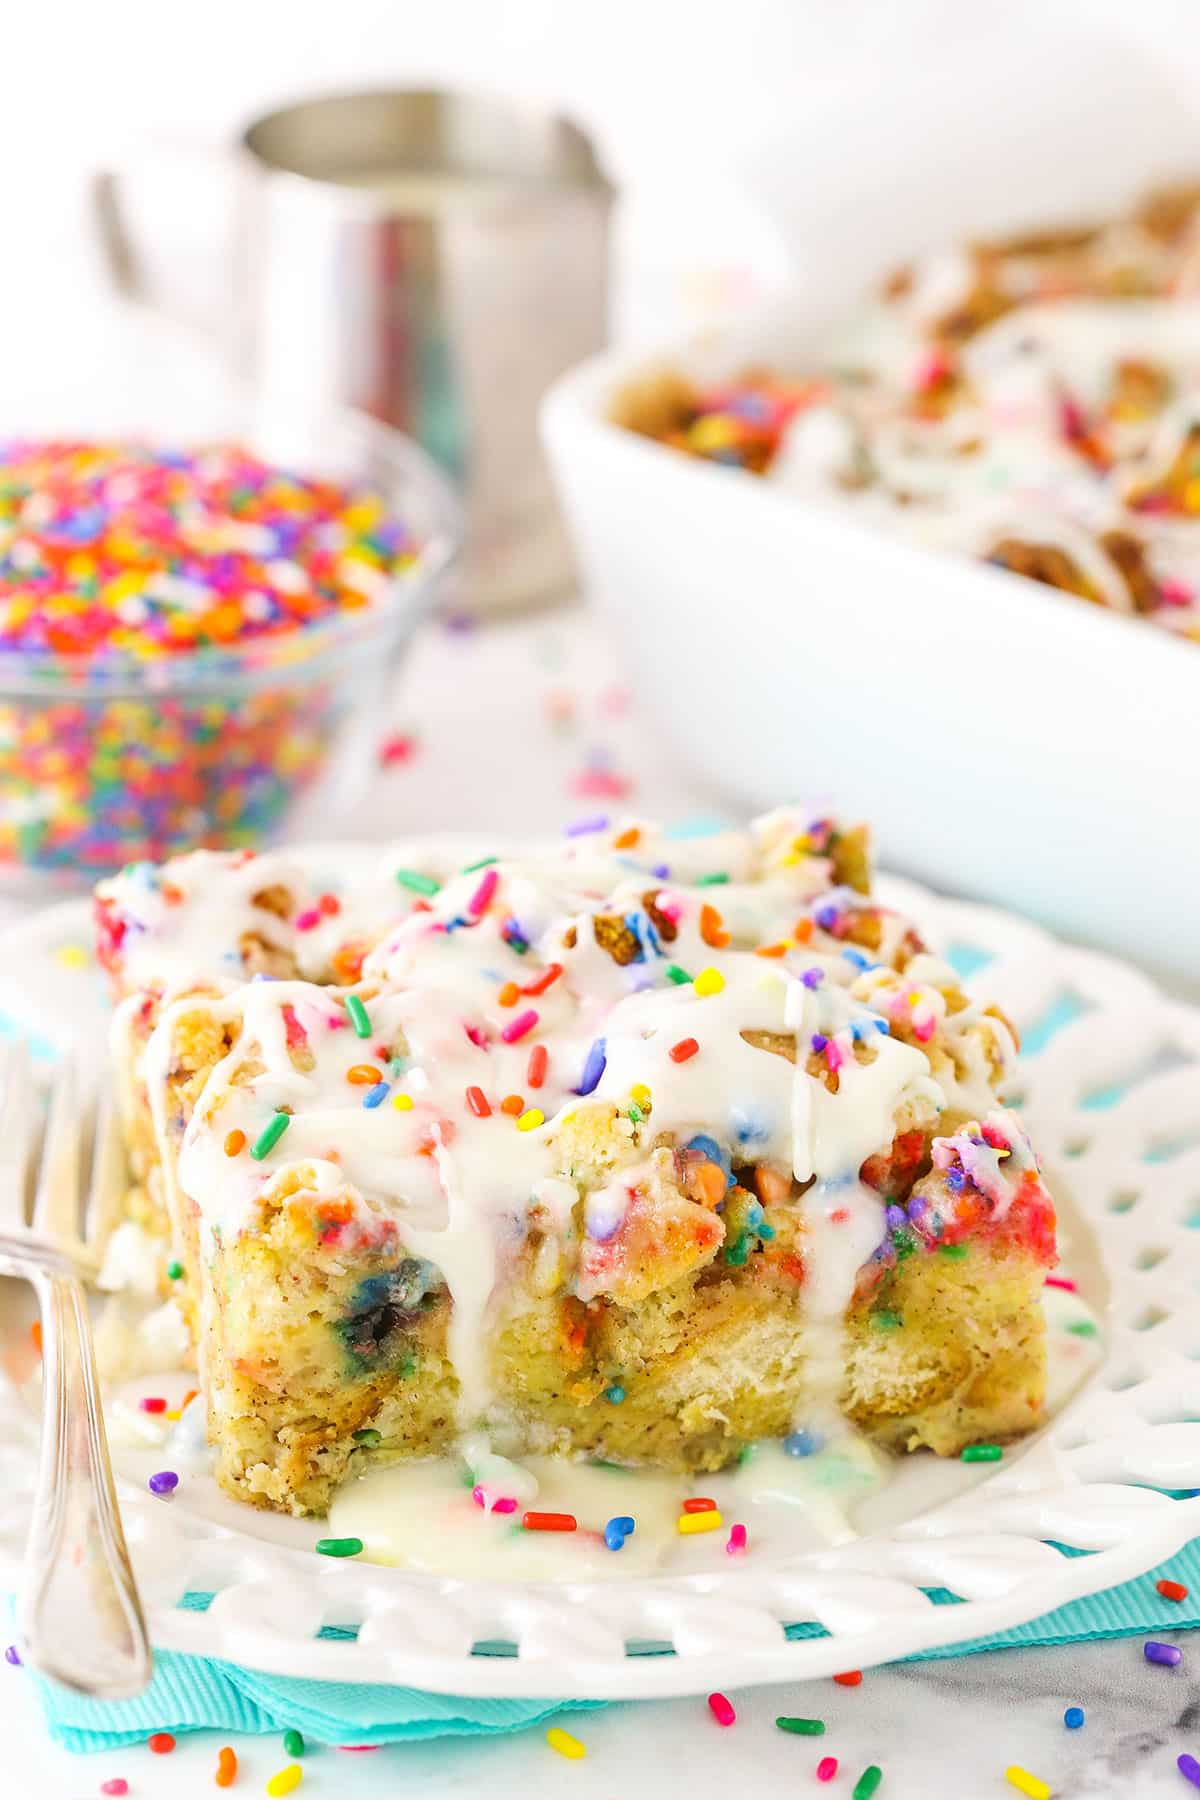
point(13, 1655)
point(165, 1482)
point(1189, 1768)
point(661, 871)
point(818, 1042)
point(583, 827)
point(896, 1217)
point(593, 1068)
point(1166, 1654)
point(826, 917)
point(813, 978)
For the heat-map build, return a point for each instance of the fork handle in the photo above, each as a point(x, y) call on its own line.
point(81, 1617)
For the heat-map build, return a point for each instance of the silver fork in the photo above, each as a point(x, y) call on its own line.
point(81, 1619)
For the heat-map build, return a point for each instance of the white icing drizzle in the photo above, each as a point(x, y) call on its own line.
point(459, 992)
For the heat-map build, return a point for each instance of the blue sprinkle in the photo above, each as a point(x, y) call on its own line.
point(1073, 1718)
point(803, 1443)
point(882, 1025)
point(812, 978)
point(616, 1531)
point(593, 1068)
point(766, 1231)
point(625, 1523)
point(707, 1146)
point(614, 1394)
point(376, 1095)
point(858, 959)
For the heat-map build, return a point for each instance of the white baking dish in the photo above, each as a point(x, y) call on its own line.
point(1008, 741)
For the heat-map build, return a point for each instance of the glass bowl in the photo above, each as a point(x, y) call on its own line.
point(213, 746)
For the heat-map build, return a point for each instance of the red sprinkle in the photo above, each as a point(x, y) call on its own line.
point(852, 1678)
point(477, 1100)
point(153, 1403)
point(699, 1504)
point(684, 1050)
point(1061, 1281)
point(548, 976)
point(329, 905)
point(519, 1027)
point(721, 1709)
point(535, 1074)
point(827, 1768)
point(536, 1521)
point(1172, 1590)
point(161, 1742)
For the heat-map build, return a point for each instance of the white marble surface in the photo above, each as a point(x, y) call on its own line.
point(518, 728)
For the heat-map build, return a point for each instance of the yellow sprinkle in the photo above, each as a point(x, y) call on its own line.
point(639, 1093)
point(914, 999)
point(286, 1780)
point(402, 1102)
point(173, 1416)
point(1026, 1783)
point(72, 956)
point(708, 981)
point(688, 1524)
point(565, 1744)
point(531, 1118)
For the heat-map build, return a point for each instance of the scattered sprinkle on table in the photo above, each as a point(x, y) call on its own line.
point(868, 1782)
point(827, 1768)
point(1167, 1654)
point(565, 1744)
point(1025, 1783)
point(293, 1742)
point(851, 1678)
point(161, 1742)
point(347, 1546)
point(116, 1785)
point(1189, 1768)
point(1172, 1590)
point(721, 1709)
point(1073, 1717)
point(164, 1482)
point(285, 1780)
point(802, 1727)
point(227, 1767)
point(13, 1655)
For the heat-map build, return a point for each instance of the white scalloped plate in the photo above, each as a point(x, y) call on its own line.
point(1111, 1091)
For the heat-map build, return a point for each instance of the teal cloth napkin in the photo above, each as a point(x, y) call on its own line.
point(191, 1693)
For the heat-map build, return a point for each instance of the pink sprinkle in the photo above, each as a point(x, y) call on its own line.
point(924, 1030)
point(669, 905)
point(519, 1027)
point(930, 370)
point(1175, 593)
point(505, 1504)
point(359, 1749)
point(827, 1768)
point(478, 1495)
point(396, 749)
point(835, 1056)
point(1062, 1281)
point(306, 921)
point(736, 1540)
point(116, 1784)
point(601, 784)
point(481, 898)
point(721, 1709)
point(153, 1403)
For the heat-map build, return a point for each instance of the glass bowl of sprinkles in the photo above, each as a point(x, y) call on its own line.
point(185, 633)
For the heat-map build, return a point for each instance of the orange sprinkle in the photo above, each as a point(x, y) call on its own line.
point(235, 1142)
point(706, 1183)
point(477, 1100)
point(513, 1104)
point(509, 994)
point(852, 1678)
point(627, 839)
point(712, 928)
point(188, 1398)
point(227, 1767)
point(802, 931)
point(535, 1074)
point(771, 950)
point(364, 1075)
point(35, 1332)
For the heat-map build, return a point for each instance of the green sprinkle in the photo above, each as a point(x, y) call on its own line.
point(886, 1321)
point(339, 1546)
point(358, 1016)
point(1083, 1328)
point(679, 976)
point(712, 880)
point(867, 1783)
point(737, 1252)
point(271, 1135)
point(293, 1743)
point(416, 882)
point(368, 1435)
point(174, 1271)
point(981, 1453)
point(485, 862)
point(803, 1727)
point(952, 1252)
point(635, 1112)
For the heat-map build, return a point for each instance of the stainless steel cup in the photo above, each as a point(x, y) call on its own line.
point(433, 258)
